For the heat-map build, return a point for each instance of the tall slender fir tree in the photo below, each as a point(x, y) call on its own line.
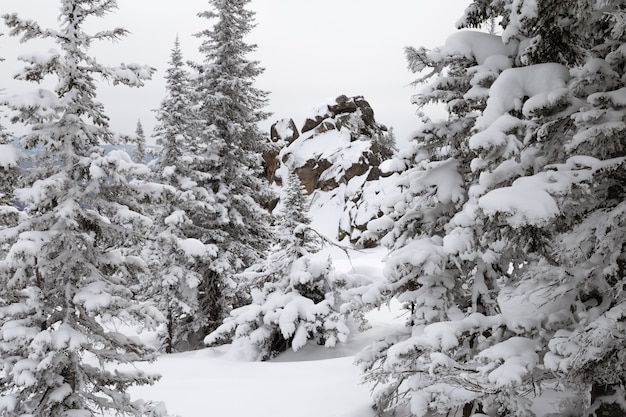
point(139, 156)
point(70, 276)
point(178, 267)
point(229, 109)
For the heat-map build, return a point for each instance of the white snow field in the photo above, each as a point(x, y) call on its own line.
point(313, 382)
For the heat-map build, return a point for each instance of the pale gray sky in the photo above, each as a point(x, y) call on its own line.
point(311, 51)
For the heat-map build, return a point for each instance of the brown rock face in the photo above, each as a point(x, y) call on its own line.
point(310, 124)
point(343, 105)
point(341, 142)
point(271, 164)
point(310, 172)
point(352, 113)
point(284, 130)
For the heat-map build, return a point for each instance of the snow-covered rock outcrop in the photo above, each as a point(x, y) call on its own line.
point(335, 156)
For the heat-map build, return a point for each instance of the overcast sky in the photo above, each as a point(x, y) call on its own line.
point(311, 51)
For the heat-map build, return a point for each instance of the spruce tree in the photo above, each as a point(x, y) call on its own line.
point(589, 243)
point(497, 232)
point(139, 156)
point(10, 172)
point(174, 128)
point(229, 156)
point(179, 258)
point(69, 278)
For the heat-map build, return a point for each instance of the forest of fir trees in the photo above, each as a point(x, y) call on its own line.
point(505, 223)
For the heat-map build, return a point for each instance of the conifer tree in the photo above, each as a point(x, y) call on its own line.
point(173, 131)
point(70, 276)
point(230, 142)
point(295, 298)
point(8, 162)
point(179, 258)
point(9, 172)
point(10, 158)
point(139, 156)
point(589, 241)
point(483, 244)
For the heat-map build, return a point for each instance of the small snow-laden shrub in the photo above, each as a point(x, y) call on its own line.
point(310, 304)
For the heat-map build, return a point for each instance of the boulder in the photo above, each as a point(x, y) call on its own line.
point(342, 105)
point(284, 130)
point(283, 133)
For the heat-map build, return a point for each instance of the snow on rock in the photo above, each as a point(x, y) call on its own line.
point(543, 84)
point(336, 145)
point(284, 129)
point(333, 146)
point(337, 159)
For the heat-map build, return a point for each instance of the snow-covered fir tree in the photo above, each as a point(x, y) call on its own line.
point(69, 277)
point(589, 241)
point(139, 155)
point(295, 297)
point(178, 257)
point(8, 162)
point(175, 119)
point(498, 237)
point(10, 172)
point(229, 109)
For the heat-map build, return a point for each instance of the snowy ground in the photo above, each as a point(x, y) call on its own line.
point(312, 382)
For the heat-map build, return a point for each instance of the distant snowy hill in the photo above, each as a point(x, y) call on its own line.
point(151, 151)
